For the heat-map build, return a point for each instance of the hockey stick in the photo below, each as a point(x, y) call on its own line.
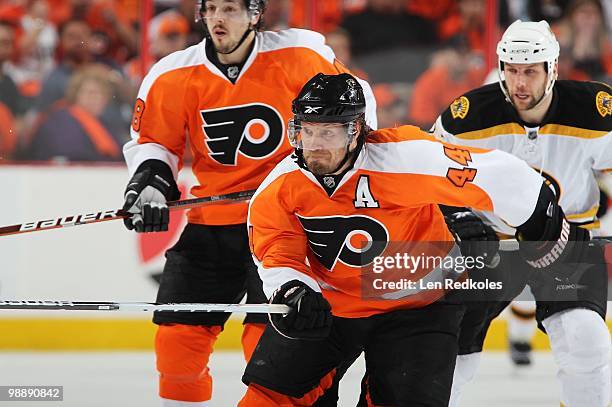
point(142, 306)
point(103, 216)
point(510, 245)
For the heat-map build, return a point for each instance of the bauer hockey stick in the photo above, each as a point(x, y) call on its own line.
point(103, 216)
point(142, 306)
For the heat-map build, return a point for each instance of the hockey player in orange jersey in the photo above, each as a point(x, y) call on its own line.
point(230, 95)
point(322, 220)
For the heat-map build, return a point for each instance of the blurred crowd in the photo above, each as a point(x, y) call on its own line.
point(70, 69)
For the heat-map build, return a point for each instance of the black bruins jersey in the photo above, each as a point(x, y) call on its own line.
point(572, 144)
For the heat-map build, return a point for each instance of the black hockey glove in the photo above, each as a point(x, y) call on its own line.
point(547, 239)
point(475, 238)
point(146, 195)
point(310, 317)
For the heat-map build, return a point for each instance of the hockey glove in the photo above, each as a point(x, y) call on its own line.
point(547, 238)
point(146, 195)
point(475, 238)
point(310, 316)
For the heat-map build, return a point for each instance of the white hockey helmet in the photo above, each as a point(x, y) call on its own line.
point(526, 42)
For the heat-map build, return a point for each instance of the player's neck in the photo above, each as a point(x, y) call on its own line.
point(537, 114)
point(240, 54)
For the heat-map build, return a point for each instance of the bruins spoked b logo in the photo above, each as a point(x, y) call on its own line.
point(352, 240)
point(254, 130)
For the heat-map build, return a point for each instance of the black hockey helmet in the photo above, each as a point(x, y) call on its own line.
point(330, 99)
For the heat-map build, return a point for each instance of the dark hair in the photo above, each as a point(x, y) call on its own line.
point(7, 24)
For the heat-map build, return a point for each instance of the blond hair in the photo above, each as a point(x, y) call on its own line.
point(94, 72)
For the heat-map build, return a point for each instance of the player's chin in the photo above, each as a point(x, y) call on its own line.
point(222, 46)
point(317, 167)
point(523, 104)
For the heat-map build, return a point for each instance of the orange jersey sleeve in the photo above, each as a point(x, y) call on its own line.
point(278, 242)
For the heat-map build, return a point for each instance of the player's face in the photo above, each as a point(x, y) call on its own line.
point(324, 146)
point(227, 21)
point(526, 84)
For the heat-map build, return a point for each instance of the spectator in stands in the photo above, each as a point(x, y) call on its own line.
point(100, 46)
point(607, 6)
point(39, 34)
point(74, 53)
point(78, 131)
point(339, 41)
point(453, 71)
point(567, 67)
point(187, 10)
point(531, 10)
point(583, 32)
point(117, 20)
point(277, 15)
point(386, 24)
point(321, 16)
point(431, 10)
point(9, 93)
point(11, 102)
point(466, 24)
point(389, 111)
point(37, 44)
point(168, 33)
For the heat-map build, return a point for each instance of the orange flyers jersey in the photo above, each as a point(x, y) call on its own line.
point(329, 241)
point(237, 132)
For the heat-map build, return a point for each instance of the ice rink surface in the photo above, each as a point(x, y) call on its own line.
point(128, 379)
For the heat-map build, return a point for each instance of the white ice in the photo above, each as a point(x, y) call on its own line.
point(128, 379)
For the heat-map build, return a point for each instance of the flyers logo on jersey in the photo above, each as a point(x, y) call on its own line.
point(352, 240)
point(459, 108)
point(603, 100)
point(254, 130)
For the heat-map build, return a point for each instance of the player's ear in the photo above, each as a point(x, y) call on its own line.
point(255, 17)
point(355, 141)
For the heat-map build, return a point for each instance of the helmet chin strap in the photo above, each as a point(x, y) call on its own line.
point(347, 156)
point(244, 37)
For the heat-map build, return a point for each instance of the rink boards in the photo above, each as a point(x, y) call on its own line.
point(100, 262)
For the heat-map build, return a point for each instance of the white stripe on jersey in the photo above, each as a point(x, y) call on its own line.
point(296, 38)
point(513, 197)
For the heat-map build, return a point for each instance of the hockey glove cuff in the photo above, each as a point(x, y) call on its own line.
point(310, 317)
